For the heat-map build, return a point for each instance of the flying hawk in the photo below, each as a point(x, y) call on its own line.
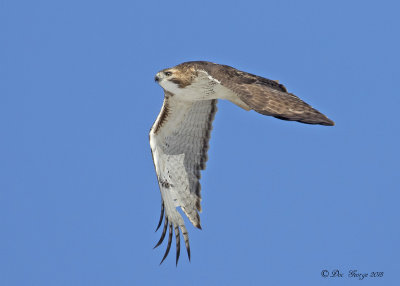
point(179, 137)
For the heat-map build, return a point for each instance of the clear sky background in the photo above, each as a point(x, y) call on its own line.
point(282, 201)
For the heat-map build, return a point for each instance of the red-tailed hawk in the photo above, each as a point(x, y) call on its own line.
point(179, 136)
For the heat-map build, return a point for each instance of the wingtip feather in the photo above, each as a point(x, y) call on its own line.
point(161, 216)
point(169, 243)
point(186, 239)
point(163, 233)
point(178, 244)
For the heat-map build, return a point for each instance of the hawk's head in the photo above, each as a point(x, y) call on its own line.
point(175, 79)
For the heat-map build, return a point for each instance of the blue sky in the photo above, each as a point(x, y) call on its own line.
point(282, 201)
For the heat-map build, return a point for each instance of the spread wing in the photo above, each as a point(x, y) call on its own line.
point(179, 143)
point(265, 96)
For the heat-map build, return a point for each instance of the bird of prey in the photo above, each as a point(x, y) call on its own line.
point(179, 137)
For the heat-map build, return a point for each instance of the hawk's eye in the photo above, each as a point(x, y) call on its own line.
point(168, 73)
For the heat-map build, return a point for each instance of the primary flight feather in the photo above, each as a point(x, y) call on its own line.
point(179, 137)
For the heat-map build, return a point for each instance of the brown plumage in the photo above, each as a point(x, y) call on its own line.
point(263, 95)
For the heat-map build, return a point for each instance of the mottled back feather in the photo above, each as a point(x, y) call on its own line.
point(263, 95)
